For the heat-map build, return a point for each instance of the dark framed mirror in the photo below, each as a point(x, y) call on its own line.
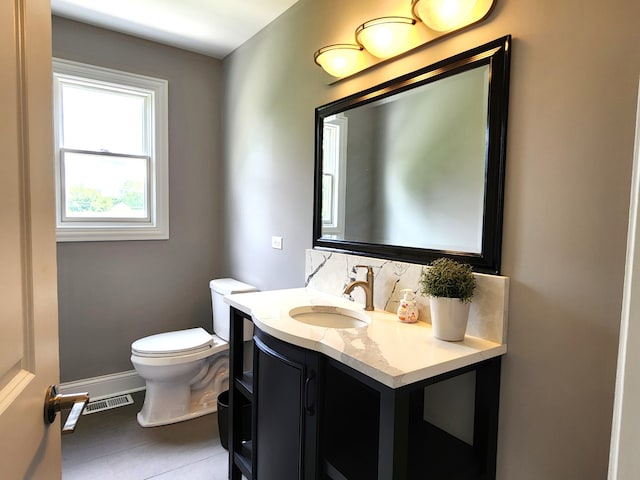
point(413, 169)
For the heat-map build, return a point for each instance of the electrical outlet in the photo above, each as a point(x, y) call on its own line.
point(276, 242)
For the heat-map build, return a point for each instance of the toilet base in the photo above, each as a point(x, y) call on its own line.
point(143, 422)
point(184, 395)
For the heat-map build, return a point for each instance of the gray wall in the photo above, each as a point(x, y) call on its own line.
point(574, 84)
point(111, 293)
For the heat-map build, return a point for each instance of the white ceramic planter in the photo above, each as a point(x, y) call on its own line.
point(449, 318)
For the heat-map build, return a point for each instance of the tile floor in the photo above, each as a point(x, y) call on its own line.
point(111, 445)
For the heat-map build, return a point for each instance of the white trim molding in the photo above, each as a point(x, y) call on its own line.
point(624, 462)
point(106, 386)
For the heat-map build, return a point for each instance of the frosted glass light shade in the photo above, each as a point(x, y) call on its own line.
point(443, 15)
point(340, 59)
point(385, 37)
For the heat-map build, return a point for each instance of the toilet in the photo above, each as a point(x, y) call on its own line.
point(186, 370)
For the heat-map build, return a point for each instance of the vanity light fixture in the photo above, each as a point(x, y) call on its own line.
point(339, 59)
point(443, 15)
point(385, 37)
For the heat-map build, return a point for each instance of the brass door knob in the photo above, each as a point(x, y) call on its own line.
point(55, 402)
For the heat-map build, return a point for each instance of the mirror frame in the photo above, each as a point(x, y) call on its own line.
point(496, 54)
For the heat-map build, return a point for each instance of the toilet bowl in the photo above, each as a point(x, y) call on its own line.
point(186, 370)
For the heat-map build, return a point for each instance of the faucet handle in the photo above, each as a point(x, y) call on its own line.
point(368, 267)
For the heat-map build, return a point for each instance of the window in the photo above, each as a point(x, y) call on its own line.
point(334, 167)
point(111, 164)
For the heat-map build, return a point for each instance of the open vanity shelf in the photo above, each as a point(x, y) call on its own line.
point(365, 421)
point(240, 394)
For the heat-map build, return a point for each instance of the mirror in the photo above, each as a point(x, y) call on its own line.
point(413, 169)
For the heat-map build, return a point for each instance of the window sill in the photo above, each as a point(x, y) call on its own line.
point(102, 234)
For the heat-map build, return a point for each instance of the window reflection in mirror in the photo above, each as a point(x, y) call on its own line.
point(334, 166)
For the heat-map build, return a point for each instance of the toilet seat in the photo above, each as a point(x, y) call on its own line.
point(171, 344)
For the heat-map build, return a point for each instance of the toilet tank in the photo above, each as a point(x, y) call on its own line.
point(219, 288)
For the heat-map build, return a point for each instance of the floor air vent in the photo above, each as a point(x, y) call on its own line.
point(107, 404)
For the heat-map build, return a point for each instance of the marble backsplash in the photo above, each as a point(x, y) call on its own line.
point(330, 272)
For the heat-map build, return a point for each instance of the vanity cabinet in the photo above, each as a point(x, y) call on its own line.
point(286, 409)
point(315, 416)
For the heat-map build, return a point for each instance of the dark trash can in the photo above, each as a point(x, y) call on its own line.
point(223, 419)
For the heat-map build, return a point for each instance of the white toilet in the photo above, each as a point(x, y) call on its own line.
point(186, 370)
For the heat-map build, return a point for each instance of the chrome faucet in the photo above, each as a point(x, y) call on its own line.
point(366, 286)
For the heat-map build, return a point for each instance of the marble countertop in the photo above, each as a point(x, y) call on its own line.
point(387, 350)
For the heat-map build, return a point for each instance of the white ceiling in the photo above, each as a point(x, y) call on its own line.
point(210, 27)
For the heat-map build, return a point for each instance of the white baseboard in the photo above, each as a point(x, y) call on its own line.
point(106, 385)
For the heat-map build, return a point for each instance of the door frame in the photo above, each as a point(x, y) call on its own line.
point(624, 462)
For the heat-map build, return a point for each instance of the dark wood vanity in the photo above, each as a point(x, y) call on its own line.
point(314, 417)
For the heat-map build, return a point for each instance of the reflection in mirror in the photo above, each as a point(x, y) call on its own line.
point(414, 169)
point(398, 195)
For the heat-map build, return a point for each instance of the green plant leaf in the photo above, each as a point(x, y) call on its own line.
point(448, 278)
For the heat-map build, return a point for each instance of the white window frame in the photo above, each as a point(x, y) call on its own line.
point(335, 146)
point(156, 226)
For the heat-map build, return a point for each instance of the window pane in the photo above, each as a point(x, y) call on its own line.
point(102, 119)
point(104, 186)
point(327, 199)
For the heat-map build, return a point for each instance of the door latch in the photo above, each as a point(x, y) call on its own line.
point(55, 402)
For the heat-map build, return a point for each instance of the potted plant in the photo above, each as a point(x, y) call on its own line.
point(450, 286)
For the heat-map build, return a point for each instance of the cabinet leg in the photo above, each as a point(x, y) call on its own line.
point(485, 438)
point(393, 443)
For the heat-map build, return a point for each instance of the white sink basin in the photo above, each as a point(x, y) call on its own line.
point(328, 316)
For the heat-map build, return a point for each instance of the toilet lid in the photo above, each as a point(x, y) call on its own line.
point(169, 344)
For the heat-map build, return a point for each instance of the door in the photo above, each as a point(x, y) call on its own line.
point(284, 391)
point(29, 448)
point(624, 461)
